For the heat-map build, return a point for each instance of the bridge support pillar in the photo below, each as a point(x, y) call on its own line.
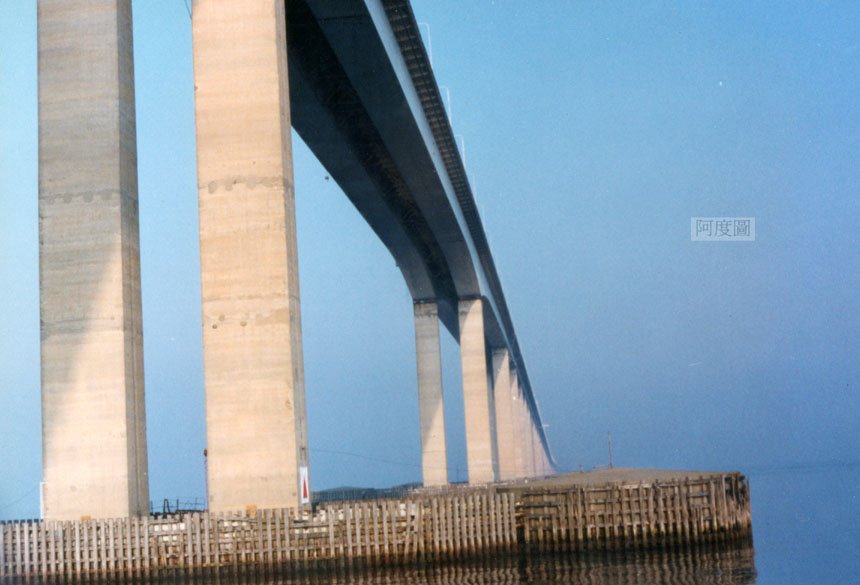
point(528, 441)
point(481, 451)
point(544, 460)
point(93, 417)
point(530, 436)
point(536, 449)
point(252, 345)
point(504, 402)
point(519, 426)
point(434, 458)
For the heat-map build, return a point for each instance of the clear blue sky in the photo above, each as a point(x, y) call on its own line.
point(594, 131)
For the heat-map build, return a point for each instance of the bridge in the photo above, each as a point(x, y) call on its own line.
point(354, 80)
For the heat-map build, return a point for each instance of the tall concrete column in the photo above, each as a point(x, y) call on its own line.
point(504, 403)
point(532, 466)
point(530, 444)
point(517, 410)
point(254, 374)
point(481, 453)
point(527, 437)
point(434, 458)
point(93, 417)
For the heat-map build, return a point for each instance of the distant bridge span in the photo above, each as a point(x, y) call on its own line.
point(353, 78)
point(376, 121)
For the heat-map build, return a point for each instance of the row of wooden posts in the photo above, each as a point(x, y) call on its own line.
point(636, 515)
point(459, 523)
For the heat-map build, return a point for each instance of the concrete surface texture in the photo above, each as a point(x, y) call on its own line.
point(536, 469)
point(93, 418)
point(529, 439)
point(481, 452)
point(255, 403)
point(505, 434)
point(434, 459)
point(518, 424)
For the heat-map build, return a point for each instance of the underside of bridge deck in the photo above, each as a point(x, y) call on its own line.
point(364, 99)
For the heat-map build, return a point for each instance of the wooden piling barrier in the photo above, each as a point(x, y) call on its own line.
point(458, 523)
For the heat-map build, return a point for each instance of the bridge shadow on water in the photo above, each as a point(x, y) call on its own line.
point(695, 565)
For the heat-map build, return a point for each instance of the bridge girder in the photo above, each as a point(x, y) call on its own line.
point(364, 99)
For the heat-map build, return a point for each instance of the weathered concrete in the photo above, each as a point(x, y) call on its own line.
point(518, 421)
point(93, 418)
point(434, 458)
point(537, 466)
point(547, 466)
point(522, 442)
point(532, 453)
point(529, 441)
point(255, 398)
point(504, 403)
point(479, 411)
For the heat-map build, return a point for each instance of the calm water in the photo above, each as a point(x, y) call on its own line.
point(806, 524)
point(727, 567)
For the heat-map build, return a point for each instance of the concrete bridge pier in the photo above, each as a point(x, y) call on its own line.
point(479, 408)
point(254, 374)
point(518, 425)
point(531, 469)
point(504, 405)
point(93, 416)
point(529, 442)
point(537, 450)
point(434, 458)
